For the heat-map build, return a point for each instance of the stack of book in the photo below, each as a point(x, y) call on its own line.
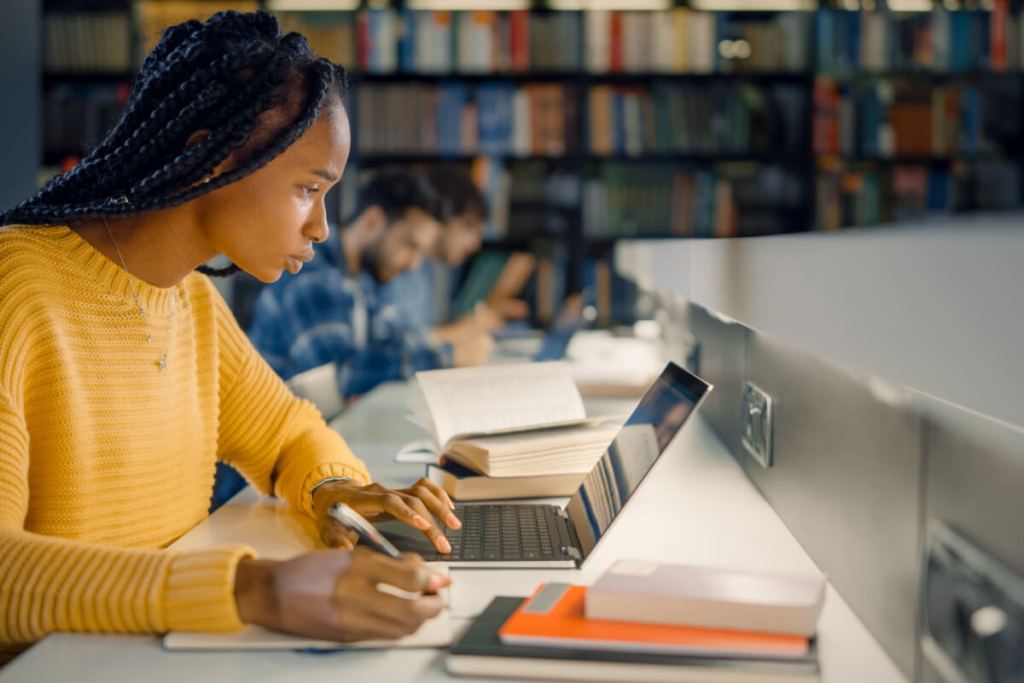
point(509, 431)
point(648, 622)
point(455, 119)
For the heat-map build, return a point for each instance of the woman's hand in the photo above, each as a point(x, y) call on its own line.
point(417, 506)
point(333, 595)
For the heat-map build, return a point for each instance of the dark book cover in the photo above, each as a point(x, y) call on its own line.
point(481, 640)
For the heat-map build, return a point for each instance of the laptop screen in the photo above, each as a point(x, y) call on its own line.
point(567, 324)
point(661, 412)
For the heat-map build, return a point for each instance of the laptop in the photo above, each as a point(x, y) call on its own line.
point(565, 325)
point(545, 536)
point(555, 343)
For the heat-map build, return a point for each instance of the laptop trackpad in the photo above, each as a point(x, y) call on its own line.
point(409, 540)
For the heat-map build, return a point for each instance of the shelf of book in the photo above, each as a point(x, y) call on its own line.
point(920, 75)
point(828, 160)
point(622, 110)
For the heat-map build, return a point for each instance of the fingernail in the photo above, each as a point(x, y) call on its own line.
point(444, 545)
point(451, 505)
point(420, 522)
point(453, 521)
point(435, 583)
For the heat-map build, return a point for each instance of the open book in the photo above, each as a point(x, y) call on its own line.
point(508, 420)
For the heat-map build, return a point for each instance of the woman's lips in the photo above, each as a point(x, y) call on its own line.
point(295, 262)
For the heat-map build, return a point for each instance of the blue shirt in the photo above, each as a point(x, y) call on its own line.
point(324, 314)
point(423, 296)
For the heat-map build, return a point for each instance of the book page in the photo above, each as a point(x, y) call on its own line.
point(486, 399)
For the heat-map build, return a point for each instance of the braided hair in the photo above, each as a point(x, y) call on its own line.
point(221, 76)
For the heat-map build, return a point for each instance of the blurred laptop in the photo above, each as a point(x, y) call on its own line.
point(555, 343)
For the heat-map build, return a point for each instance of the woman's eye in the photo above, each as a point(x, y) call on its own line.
point(310, 191)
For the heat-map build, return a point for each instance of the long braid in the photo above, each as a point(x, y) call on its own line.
point(218, 76)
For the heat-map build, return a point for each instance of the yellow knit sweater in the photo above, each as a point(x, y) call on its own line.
point(105, 459)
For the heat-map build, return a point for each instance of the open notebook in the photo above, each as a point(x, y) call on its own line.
point(435, 633)
point(271, 528)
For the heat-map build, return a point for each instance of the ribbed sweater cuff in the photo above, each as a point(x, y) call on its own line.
point(199, 593)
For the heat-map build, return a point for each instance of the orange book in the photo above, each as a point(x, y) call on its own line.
point(554, 617)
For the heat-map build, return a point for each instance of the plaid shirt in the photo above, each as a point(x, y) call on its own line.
point(325, 315)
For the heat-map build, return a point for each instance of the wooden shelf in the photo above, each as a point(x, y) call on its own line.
point(923, 160)
point(788, 158)
point(383, 158)
point(905, 74)
point(570, 77)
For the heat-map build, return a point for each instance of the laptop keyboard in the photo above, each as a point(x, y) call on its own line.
point(501, 532)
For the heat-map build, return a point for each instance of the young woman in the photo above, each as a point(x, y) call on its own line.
point(123, 376)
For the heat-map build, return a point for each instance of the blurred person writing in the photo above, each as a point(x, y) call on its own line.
point(424, 295)
point(337, 310)
point(125, 377)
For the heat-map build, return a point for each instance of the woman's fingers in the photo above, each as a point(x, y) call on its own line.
point(413, 512)
point(334, 534)
point(438, 493)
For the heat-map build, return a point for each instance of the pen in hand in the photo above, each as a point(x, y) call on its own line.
point(368, 534)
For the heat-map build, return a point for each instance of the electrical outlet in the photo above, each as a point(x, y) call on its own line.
point(757, 423)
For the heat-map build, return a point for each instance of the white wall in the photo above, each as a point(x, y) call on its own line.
point(938, 307)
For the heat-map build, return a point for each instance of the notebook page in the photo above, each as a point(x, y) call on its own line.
point(491, 398)
point(436, 632)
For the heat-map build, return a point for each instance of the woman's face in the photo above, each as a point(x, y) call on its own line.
point(266, 222)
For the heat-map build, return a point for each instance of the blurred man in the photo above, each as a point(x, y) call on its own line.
point(335, 309)
point(424, 295)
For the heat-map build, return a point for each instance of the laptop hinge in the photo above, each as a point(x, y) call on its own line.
point(572, 550)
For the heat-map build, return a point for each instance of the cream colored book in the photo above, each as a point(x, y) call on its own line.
point(509, 420)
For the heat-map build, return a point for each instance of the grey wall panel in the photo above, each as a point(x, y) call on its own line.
point(20, 116)
point(723, 351)
point(975, 483)
point(845, 480)
point(933, 305)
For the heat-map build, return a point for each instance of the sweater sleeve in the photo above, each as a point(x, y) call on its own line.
point(51, 584)
point(279, 442)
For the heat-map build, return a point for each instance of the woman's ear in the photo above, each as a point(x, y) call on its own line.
point(196, 138)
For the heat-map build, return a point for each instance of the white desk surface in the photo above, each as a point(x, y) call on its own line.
point(696, 507)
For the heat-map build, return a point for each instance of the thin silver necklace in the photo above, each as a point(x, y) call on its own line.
point(142, 310)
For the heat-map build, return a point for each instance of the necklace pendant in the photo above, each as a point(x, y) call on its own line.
point(163, 362)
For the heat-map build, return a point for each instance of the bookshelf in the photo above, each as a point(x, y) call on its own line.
point(588, 126)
